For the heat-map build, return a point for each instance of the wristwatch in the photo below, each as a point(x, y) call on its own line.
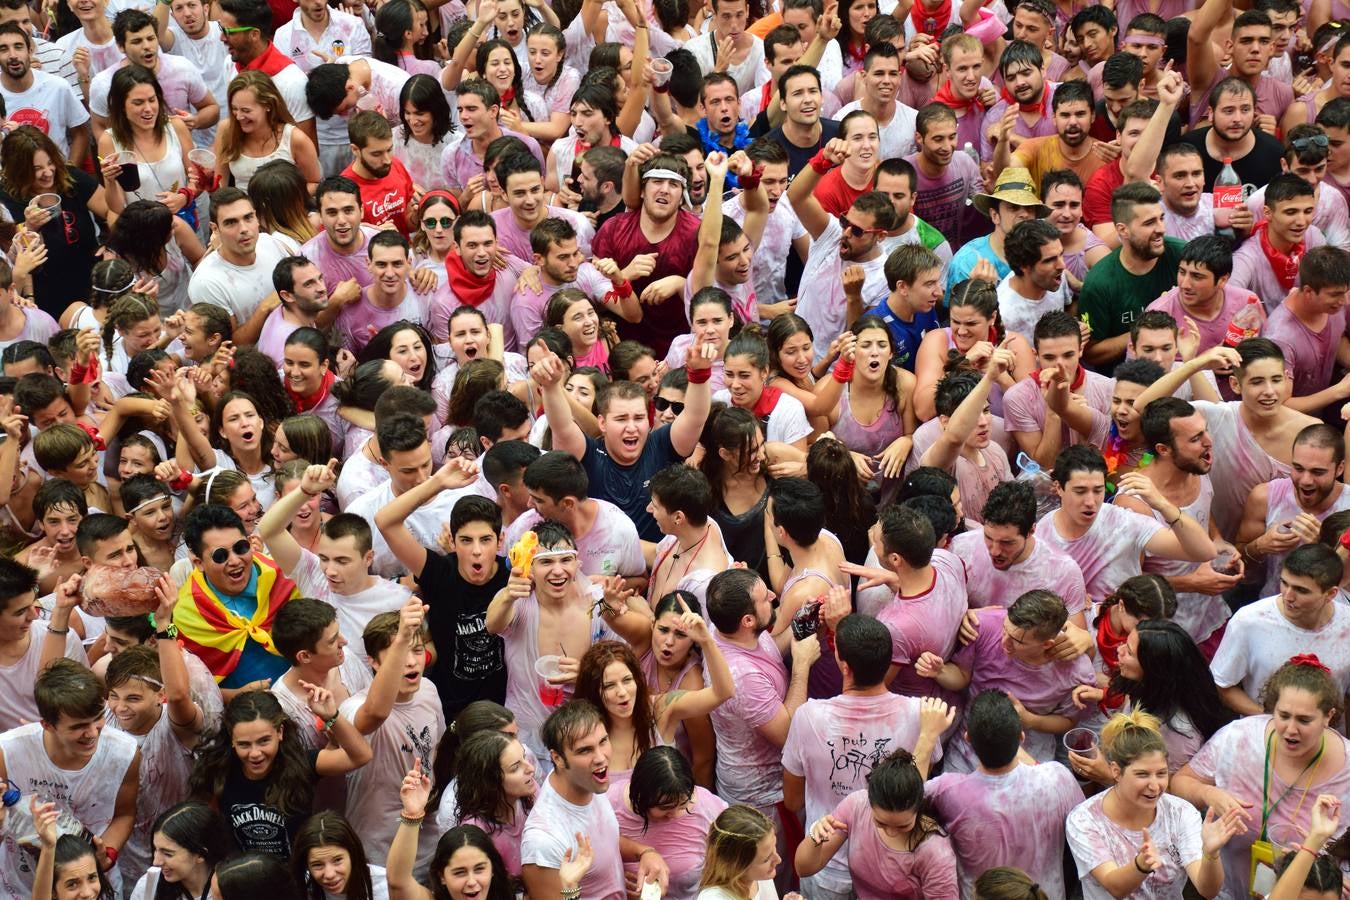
point(170, 633)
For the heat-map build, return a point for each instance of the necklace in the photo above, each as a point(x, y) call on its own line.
point(694, 549)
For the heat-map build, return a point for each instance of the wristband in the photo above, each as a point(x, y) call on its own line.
point(842, 371)
point(188, 194)
point(623, 289)
point(1141, 868)
point(699, 376)
point(61, 631)
point(182, 481)
point(751, 181)
point(820, 163)
point(85, 374)
point(409, 820)
point(1300, 846)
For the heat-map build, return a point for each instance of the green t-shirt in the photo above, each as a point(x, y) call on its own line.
point(1112, 297)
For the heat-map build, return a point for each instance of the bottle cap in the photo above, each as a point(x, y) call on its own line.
point(10, 796)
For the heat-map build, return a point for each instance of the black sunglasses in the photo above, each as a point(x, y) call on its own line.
point(444, 221)
point(1315, 140)
point(241, 549)
point(662, 404)
point(855, 230)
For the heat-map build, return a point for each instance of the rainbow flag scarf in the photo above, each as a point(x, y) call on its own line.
point(218, 636)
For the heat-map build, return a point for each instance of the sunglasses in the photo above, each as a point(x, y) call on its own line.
point(1319, 141)
point(854, 230)
point(241, 549)
point(662, 404)
point(443, 222)
point(238, 29)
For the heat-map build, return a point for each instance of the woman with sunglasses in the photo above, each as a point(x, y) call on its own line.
point(661, 807)
point(32, 165)
point(669, 400)
point(424, 131)
point(256, 767)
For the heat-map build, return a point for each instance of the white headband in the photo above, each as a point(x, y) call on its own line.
point(667, 175)
point(145, 503)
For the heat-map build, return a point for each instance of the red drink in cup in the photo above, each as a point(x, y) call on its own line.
point(550, 694)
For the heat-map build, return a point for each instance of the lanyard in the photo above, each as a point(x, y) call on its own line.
point(1266, 806)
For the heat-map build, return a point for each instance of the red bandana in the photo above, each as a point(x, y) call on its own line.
point(856, 52)
point(468, 287)
point(1039, 106)
point(1079, 377)
point(508, 96)
point(947, 97)
point(1285, 265)
point(581, 146)
point(306, 402)
point(765, 93)
point(270, 62)
point(931, 21)
point(768, 399)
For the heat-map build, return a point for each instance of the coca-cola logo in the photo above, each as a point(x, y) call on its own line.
point(30, 116)
point(385, 208)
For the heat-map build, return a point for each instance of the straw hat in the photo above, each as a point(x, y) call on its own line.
point(1013, 186)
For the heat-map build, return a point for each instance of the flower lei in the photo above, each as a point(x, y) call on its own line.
point(740, 140)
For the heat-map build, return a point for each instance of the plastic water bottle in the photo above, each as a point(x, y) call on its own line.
point(1047, 499)
point(969, 150)
point(1246, 323)
point(1227, 196)
point(18, 819)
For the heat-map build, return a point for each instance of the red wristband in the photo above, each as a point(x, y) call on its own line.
point(85, 374)
point(842, 371)
point(699, 376)
point(751, 181)
point(623, 289)
point(820, 163)
point(182, 481)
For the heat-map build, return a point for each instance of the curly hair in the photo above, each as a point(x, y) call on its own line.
point(292, 777)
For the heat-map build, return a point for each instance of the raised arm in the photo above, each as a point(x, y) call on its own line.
point(687, 428)
point(383, 691)
point(722, 687)
point(185, 716)
point(1216, 358)
point(966, 417)
point(392, 518)
point(812, 215)
point(501, 612)
point(58, 628)
point(567, 436)
point(1144, 157)
point(1201, 66)
point(1185, 538)
point(453, 72)
point(272, 527)
point(414, 793)
point(704, 272)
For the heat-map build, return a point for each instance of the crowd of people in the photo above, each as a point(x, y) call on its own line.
point(723, 450)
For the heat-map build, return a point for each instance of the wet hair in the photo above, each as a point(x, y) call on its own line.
point(909, 534)
point(1176, 679)
point(729, 598)
point(55, 493)
point(364, 387)
point(865, 645)
point(590, 686)
point(1077, 458)
point(66, 687)
point(896, 785)
point(1142, 596)
point(475, 379)
point(683, 489)
point(1130, 736)
point(141, 233)
point(568, 723)
point(732, 429)
point(849, 508)
point(1138, 371)
point(1023, 245)
point(733, 843)
point(16, 579)
point(97, 527)
point(500, 885)
point(480, 715)
point(1040, 613)
point(993, 728)
point(1011, 503)
point(72, 848)
point(661, 777)
point(330, 829)
point(479, 794)
point(1314, 561)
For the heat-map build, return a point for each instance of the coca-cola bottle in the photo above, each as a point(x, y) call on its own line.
point(1246, 323)
point(1227, 197)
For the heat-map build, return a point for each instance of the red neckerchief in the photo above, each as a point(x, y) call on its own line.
point(582, 145)
point(920, 18)
point(270, 62)
point(764, 94)
point(768, 399)
point(947, 97)
point(1039, 106)
point(1079, 377)
point(508, 95)
point(856, 52)
point(1285, 265)
point(306, 402)
point(468, 287)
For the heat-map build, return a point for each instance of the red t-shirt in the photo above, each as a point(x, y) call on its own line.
point(835, 194)
point(621, 239)
point(1097, 194)
point(385, 199)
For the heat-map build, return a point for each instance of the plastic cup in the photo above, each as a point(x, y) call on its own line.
point(1082, 741)
point(49, 203)
point(661, 70)
point(367, 101)
point(547, 667)
point(1225, 563)
point(204, 161)
point(130, 176)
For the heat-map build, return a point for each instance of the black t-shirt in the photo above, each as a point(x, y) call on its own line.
point(256, 824)
point(1255, 169)
point(70, 240)
point(470, 663)
point(628, 487)
point(798, 157)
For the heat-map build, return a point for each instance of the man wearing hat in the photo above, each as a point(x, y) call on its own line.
point(1014, 199)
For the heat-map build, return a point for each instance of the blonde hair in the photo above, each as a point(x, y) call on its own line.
point(278, 115)
point(1007, 883)
point(1128, 736)
point(733, 843)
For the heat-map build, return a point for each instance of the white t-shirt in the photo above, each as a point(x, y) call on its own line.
point(1259, 640)
point(1020, 314)
point(211, 59)
point(182, 84)
point(239, 289)
point(1096, 840)
point(787, 422)
point(1109, 552)
point(50, 105)
point(824, 309)
point(354, 611)
point(290, 83)
point(897, 135)
point(549, 833)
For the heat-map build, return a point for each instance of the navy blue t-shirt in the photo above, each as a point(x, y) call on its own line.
point(626, 486)
point(905, 336)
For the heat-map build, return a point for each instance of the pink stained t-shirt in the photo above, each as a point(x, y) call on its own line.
point(339, 267)
point(1240, 463)
point(1109, 552)
point(550, 830)
point(1200, 614)
point(1212, 331)
point(681, 842)
point(835, 743)
point(1043, 689)
point(516, 240)
point(941, 201)
point(1282, 506)
point(1013, 819)
point(1234, 760)
point(1024, 406)
point(1095, 840)
point(928, 622)
point(882, 873)
point(527, 307)
point(611, 547)
point(1259, 639)
point(505, 838)
point(1252, 270)
point(1309, 355)
point(749, 769)
point(1045, 569)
